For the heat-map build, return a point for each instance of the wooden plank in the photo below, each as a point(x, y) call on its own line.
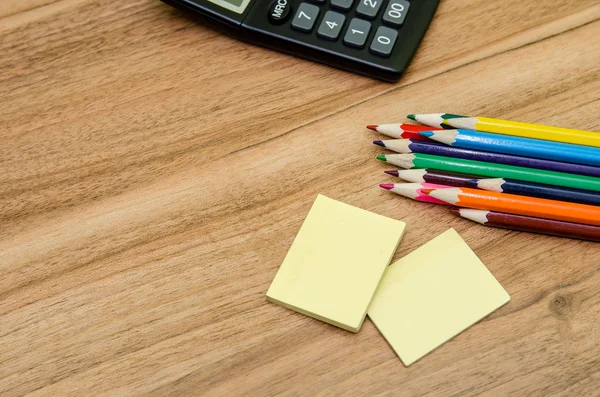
point(8, 8)
point(148, 195)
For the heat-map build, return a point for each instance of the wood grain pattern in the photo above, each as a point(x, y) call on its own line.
point(154, 174)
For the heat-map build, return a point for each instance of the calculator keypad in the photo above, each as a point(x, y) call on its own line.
point(331, 26)
point(357, 33)
point(305, 17)
point(368, 8)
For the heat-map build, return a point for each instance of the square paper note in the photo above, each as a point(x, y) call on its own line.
point(432, 295)
point(335, 263)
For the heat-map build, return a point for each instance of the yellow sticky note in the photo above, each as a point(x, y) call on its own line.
point(335, 263)
point(432, 295)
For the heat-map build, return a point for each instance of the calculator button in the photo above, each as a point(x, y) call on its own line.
point(342, 4)
point(357, 33)
point(305, 18)
point(384, 41)
point(279, 11)
point(396, 12)
point(331, 26)
point(368, 8)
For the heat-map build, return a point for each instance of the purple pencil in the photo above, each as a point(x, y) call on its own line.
point(424, 147)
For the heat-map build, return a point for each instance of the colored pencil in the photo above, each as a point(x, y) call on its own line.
point(518, 146)
point(540, 190)
point(405, 131)
point(417, 160)
point(518, 205)
point(530, 224)
point(413, 191)
point(438, 149)
point(434, 176)
point(506, 127)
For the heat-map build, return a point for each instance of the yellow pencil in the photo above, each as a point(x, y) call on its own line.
point(505, 127)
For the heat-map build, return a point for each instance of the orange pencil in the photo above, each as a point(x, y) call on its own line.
point(519, 205)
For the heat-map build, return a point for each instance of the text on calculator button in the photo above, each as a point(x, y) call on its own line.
point(356, 35)
point(331, 26)
point(305, 17)
point(368, 8)
point(395, 13)
point(384, 41)
point(279, 11)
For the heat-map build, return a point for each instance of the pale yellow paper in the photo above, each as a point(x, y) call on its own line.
point(433, 294)
point(336, 262)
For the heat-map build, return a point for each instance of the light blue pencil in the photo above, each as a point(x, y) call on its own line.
point(518, 146)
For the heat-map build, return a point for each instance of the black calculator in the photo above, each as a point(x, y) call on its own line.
point(373, 37)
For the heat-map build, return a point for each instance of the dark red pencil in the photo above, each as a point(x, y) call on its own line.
point(530, 224)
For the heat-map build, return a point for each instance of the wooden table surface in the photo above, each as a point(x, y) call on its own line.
point(154, 172)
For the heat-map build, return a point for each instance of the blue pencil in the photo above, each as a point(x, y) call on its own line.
point(439, 149)
point(531, 189)
point(518, 146)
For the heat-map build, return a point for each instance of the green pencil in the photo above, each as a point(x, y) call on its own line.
point(417, 160)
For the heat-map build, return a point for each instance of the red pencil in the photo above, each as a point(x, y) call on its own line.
point(402, 131)
point(413, 191)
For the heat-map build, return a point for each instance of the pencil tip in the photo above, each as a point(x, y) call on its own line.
point(387, 186)
point(455, 211)
point(412, 117)
point(426, 133)
point(427, 191)
point(372, 127)
point(392, 173)
point(381, 157)
point(379, 143)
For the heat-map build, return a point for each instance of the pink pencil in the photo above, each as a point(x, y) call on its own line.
point(413, 191)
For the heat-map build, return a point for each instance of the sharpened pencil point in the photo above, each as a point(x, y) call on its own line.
point(427, 191)
point(387, 186)
point(382, 157)
point(379, 143)
point(392, 173)
point(372, 127)
point(426, 133)
point(412, 117)
point(455, 211)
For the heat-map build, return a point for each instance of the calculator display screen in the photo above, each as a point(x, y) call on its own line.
point(237, 6)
